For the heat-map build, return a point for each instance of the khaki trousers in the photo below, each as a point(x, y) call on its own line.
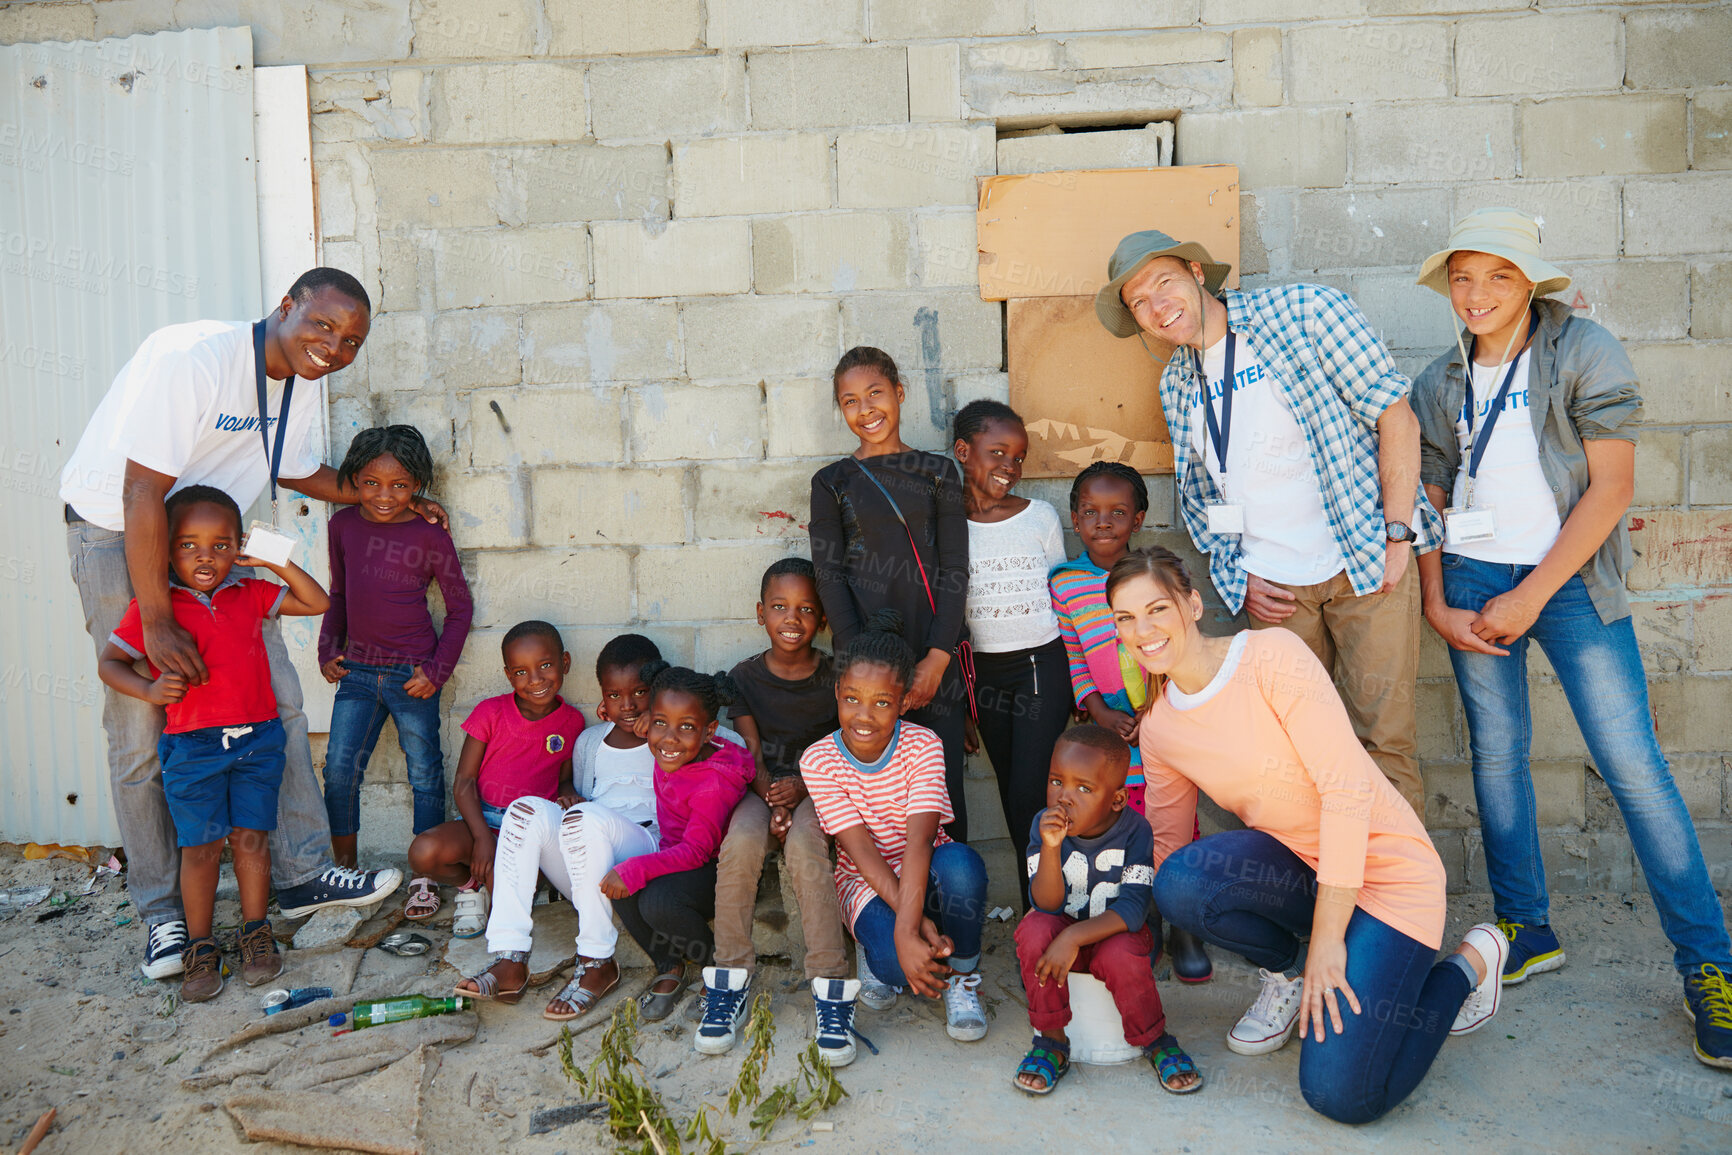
point(741, 863)
point(1370, 643)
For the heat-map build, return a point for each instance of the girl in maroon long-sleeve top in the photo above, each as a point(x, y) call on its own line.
point(379, 645)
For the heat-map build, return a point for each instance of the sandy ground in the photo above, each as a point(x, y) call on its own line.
point(1596, 1057)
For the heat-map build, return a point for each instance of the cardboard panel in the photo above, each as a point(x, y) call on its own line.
point(1050, 234)
point(1085, 395)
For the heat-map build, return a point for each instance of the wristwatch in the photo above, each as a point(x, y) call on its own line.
point(1397, 531)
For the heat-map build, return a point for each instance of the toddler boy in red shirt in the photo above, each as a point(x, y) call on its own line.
point(222, 749)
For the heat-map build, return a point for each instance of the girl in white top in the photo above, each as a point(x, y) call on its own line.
point(1022, 680)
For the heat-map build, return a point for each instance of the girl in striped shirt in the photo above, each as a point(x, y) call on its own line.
point(1108, 501)
point(914, 900)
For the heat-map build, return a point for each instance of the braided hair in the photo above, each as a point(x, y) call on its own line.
point(879, 643)
point(1114, 469)
point(974, 417)
point(712, 691)
point(404, 442)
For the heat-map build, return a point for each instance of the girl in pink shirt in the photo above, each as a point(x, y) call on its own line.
point(515, 746)
point(666, 898)
point(1329, 849)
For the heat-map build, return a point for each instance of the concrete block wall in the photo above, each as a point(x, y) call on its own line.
point(616, 248)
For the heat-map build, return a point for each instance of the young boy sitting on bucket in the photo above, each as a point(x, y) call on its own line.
point(1091, 876)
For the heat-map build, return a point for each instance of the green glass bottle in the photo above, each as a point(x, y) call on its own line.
point(407, 1007)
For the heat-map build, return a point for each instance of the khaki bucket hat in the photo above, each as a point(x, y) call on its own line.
point(1133, 253)
point(1507, 233)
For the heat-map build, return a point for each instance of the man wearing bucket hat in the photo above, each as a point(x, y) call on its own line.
point(1301, 483)
point(1534, 451)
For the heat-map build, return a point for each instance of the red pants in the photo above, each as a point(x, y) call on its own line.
point(1121, 962)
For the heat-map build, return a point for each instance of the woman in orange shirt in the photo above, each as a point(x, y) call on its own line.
point(1329, 849)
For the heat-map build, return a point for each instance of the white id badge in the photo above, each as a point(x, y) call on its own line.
point(267, 544)
point(1225, 517)
point(1462, 526)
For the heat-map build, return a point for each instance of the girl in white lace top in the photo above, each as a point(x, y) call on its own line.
point(1022, 681)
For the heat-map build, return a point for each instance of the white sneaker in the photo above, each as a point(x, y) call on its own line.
point(1482, 1002)
point(1268, 1025)
point(163, 944)
point(725, 994)
point(964, 1017)
point(877, 995)
point(833, 1026)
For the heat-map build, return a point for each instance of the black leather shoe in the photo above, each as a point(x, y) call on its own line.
point(1190, 961)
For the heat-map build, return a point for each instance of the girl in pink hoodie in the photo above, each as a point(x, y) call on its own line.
point(665, 899)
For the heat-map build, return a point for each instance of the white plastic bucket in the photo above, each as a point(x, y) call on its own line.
point(1097, 1033)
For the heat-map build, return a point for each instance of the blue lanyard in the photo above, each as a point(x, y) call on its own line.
point(1220, 434)
point(1482, 439)
point(273, 457)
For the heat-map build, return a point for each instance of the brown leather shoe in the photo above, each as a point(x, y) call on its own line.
point(203, 971)
point(261, 961)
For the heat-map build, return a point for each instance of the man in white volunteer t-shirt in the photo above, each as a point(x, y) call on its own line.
point(185, 410)
point(1301, 481)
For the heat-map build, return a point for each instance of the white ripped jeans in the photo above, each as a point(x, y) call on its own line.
point(575, 849)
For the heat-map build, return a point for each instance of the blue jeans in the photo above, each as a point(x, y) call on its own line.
point(366, 696)
point(1600, 670)
point(1244, 891)
point(955, 901)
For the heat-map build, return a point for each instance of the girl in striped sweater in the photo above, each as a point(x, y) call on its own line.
point(1108, 501)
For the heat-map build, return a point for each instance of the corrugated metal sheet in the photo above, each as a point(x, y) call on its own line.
point(127, 202)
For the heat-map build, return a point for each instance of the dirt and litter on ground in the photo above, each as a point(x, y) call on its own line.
point(1594, 1057)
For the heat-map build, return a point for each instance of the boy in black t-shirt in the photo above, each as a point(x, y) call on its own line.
point(787, 702)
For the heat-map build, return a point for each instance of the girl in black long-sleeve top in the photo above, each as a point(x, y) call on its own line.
point(861, 549)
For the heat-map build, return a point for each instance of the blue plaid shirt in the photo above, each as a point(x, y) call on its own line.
point(1338, 379)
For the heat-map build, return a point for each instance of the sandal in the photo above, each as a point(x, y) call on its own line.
point(1048, 1058)
point(577, 996)
point(487, 982)
point(471, 917)
point(423, 901)
point(1170, 1063)
point(654, 1005)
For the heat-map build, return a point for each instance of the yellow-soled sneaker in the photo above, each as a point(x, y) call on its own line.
point(1533, 950)
point(1708, 1002)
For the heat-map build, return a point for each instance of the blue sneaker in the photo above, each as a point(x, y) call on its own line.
point(1708, 1002)
point(1532, 951)
point(338, 886)
point(725, 992)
